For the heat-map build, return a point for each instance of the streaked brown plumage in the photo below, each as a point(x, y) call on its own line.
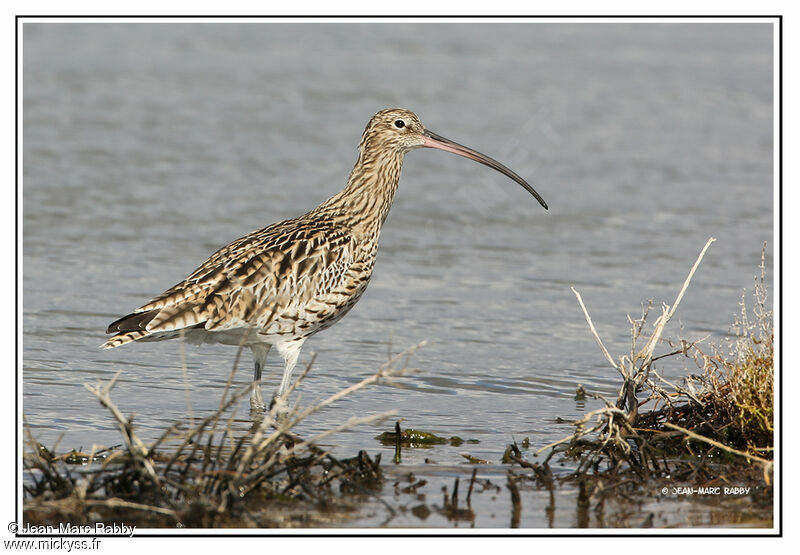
point(280, 284)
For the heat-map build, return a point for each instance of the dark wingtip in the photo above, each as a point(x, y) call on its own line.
point(136, 321)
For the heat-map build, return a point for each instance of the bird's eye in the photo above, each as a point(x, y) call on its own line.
point(399, 123)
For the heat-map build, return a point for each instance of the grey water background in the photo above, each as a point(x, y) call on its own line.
point(148, 146)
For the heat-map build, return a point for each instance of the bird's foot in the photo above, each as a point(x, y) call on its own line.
point(279, 406)
point(257, 407)
point(257, 402)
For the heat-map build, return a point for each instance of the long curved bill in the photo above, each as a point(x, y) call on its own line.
point(432, 140)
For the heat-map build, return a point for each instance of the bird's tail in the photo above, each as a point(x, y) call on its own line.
point(123, 338)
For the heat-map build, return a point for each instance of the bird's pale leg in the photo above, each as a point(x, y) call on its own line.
point(260, 351)
point(290, 351)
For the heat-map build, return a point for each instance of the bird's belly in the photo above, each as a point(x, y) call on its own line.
point(325, 308)
point(319, 313)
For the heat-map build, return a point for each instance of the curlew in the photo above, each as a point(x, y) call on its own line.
point(279, 285)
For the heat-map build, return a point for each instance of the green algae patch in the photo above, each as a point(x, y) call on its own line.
point(419, 438)
point(474, 460)
point(412, 438)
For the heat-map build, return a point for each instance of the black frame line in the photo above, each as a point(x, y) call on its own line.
point(320, 533)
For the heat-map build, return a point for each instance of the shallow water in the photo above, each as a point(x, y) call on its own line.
point(148, 146)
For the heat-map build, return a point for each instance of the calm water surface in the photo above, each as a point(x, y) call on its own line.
point(149, 146)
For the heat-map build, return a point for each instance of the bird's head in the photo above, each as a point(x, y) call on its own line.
point(396, 131)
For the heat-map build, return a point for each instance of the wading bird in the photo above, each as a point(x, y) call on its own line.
point(279, 285)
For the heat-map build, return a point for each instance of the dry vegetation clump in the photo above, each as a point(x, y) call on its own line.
point(724, 414)
point(200, 474)
point(741, 381)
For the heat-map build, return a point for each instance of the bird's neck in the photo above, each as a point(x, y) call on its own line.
point(369, 193)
